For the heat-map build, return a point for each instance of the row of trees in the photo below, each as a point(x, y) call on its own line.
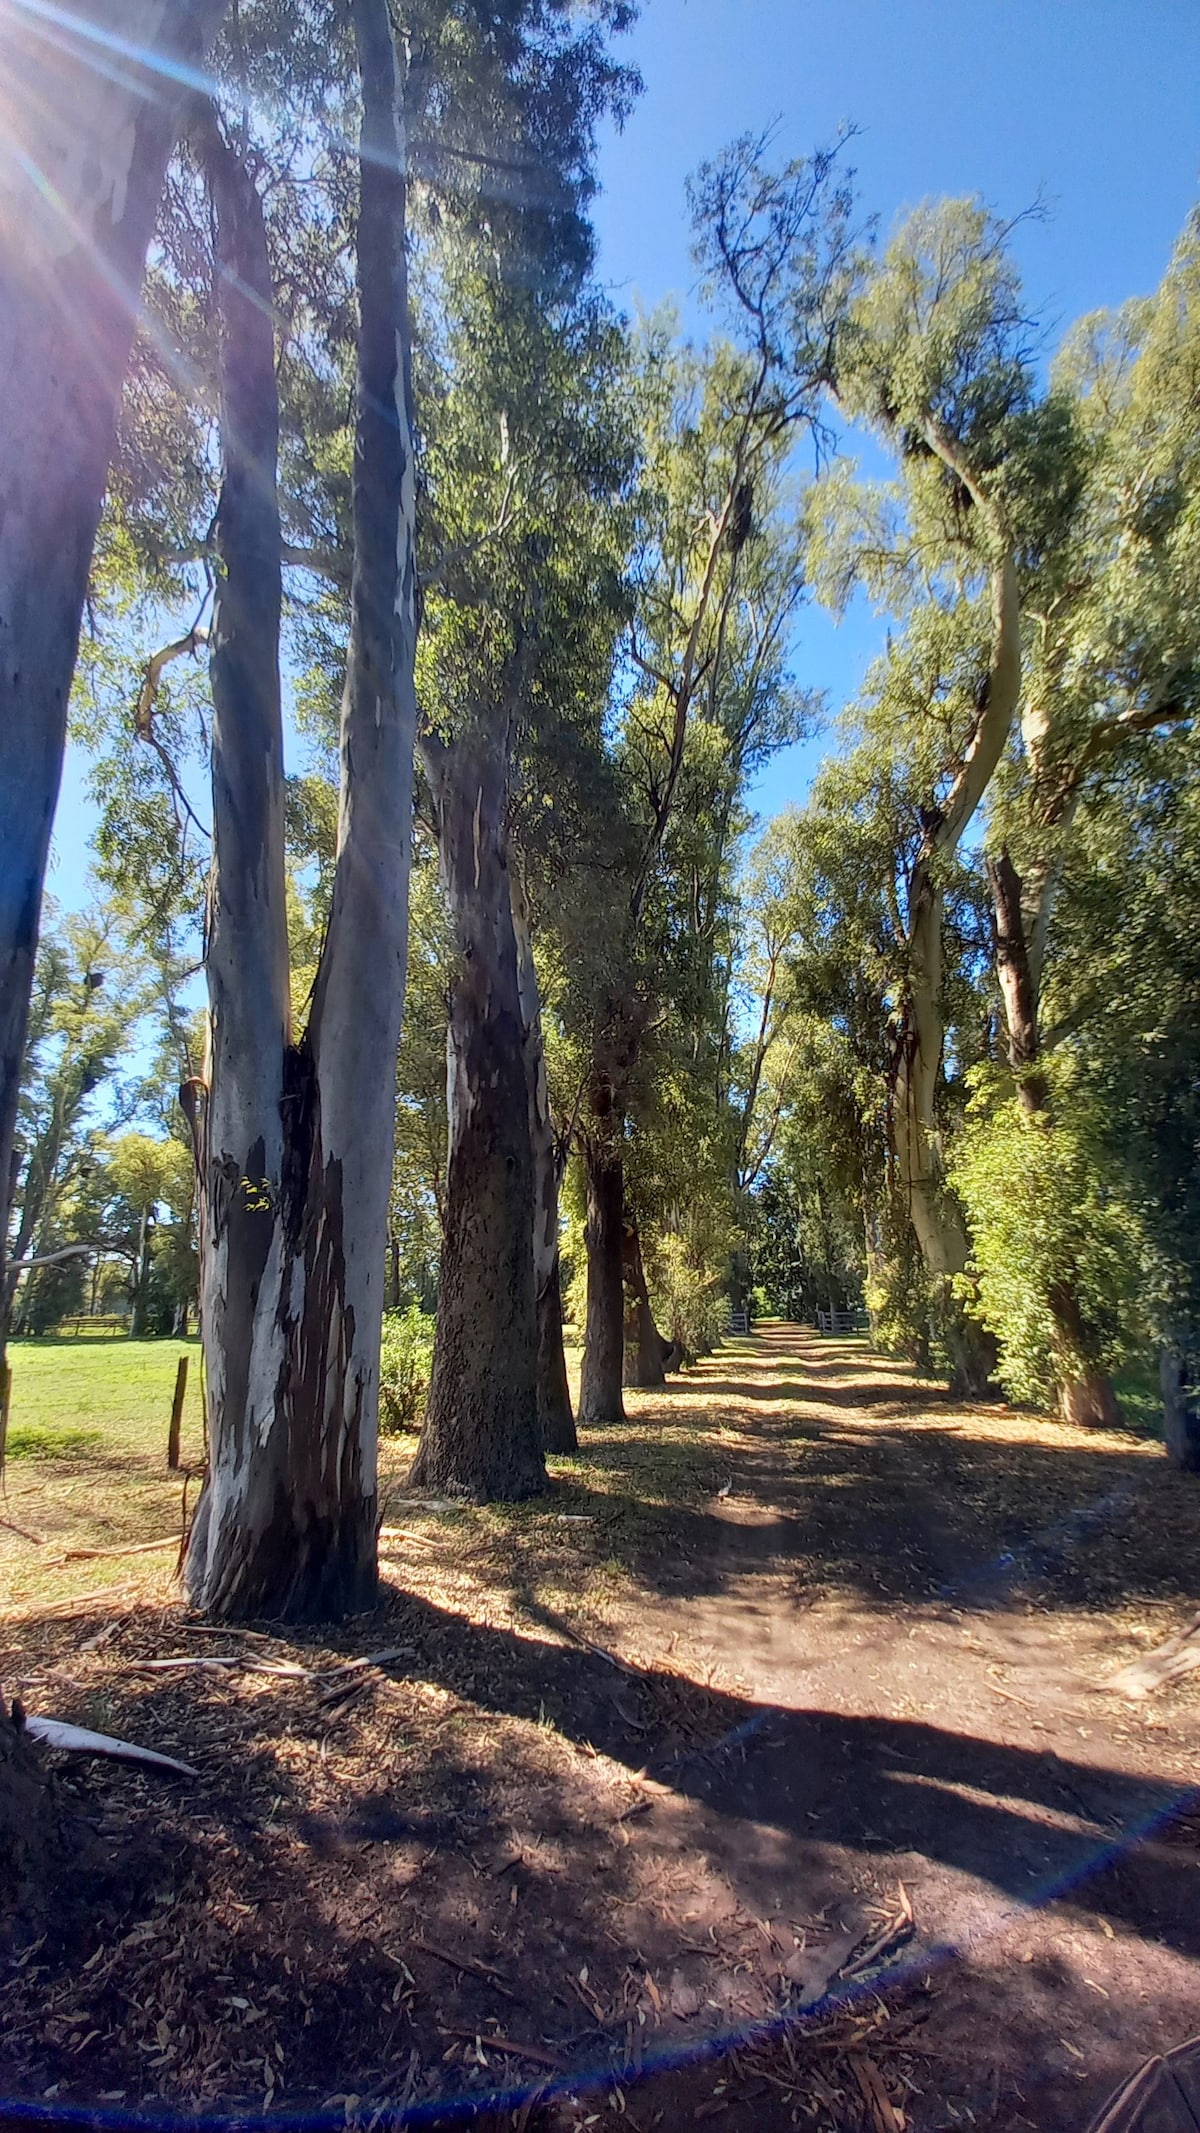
point(993, 974)
point(389, 485)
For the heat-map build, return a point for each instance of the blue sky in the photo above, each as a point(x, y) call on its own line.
point(1092, 104)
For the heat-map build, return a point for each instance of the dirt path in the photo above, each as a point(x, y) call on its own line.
point(863, 1638)
point(931, 1597)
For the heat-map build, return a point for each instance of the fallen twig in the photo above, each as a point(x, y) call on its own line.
point(893, 1935)
point(546, 1617)
point(40, 1611)
point(219, 1629)
point(381, 1658)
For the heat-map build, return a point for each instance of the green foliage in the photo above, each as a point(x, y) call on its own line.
point(688, 1295)
point(405, 1364)
point(1048, 1207)
point(899, 1294)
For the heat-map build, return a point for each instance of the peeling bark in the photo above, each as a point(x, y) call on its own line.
point(85, 151)
point(295, 1197)
point(482, 1438)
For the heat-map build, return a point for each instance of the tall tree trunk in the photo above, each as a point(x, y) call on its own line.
point(604, 1336)
point(1085, 1390)
point(141, 1271)
point(1017, 988)
point(935, 1215)
point(645, 1348)
point(482, 1438)
point(553, 1391)
point(298, 1136)
point(936, 1219)
point(86, 142)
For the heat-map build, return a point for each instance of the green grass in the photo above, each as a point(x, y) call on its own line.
point(115, 1394)
point(33, 1442)
point(1140, 1394)
point(87, 1463)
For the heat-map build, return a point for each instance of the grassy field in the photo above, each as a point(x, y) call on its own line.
point(87, 1462)
point(87, 1476)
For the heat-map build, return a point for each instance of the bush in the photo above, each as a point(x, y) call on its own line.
point(405, 1364)
point(690, 1304)
point(1046, 1205)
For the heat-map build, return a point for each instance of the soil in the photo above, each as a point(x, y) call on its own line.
point(815, 1806)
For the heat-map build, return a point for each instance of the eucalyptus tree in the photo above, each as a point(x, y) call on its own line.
point(90, 105)
point(302, 304)
point(1124, 989)
point(707, 661)
point(83, 1018)
point(520, 638)
point(935, 358)
point(839, 889)
point(294, 1196)
point(1113, 670)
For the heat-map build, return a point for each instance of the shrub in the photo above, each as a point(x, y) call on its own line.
point(405, 1363)
point(690, 1303)
point(1046, 1204)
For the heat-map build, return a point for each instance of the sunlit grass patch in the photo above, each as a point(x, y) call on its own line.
point(38, 1441)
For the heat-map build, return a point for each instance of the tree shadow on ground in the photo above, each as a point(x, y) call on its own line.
point(910, 1516)
point(319, 1881)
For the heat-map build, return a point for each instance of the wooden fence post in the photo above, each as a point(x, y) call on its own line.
point(177, 1415)
point(5, 1397)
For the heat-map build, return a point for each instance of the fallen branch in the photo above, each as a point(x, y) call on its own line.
point(536, 2053)
point(465, 1962)
point(45, 1612)
point(163, 1666)
point(1179, 1655)
point(10, 1526)
point(544, 1616)
point(870, 2081)
point(77, 1740)
point(92, 1555)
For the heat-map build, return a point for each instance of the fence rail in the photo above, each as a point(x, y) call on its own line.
point(855, 1321)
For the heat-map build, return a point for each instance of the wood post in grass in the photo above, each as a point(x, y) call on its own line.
point(5, 1397)
point(177, 1415)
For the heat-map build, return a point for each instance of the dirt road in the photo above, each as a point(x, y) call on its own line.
point(766, 1773)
